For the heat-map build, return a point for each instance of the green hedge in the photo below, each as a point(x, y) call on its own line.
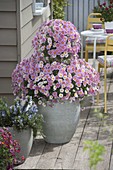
point(58, 8)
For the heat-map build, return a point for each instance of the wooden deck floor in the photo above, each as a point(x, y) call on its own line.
point(71, 155)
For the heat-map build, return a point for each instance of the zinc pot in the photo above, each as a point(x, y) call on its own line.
point(60, 121)
point(25, 139)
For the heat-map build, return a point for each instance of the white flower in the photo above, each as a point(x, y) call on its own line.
point(39, 102)
point(54, 88)
point(35, 91)
point(49, 40)
point(71, 86)
point(85, 92)
point(28, 85)
point(53, 77)
point(75, 95)
point(65, 77)
point(40, 84)
point(50, 97)
point(41, 65)
point(61, 90)
point(36, 79)
point(54, 56)
point(46, 93)
point(60, 81)
point(62, 55)
point(42, 54)
point(47, 58)
point(43, 104)
point(43, 87)
point(54, 45)
point(87, 88)
point(63, 85)
point(44, 82)
point(66, 91)
point(60, 75)
point(60, 95)
point(41, 74)
point(54, 63)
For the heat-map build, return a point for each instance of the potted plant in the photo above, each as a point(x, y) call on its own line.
point(106, 11)
point(23, 120)
point(53, 75)
point(8, 150)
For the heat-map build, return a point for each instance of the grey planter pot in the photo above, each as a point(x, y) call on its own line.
point(60, 121)
point(25, 138)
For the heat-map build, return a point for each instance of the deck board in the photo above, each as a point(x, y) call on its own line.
point(71, 155)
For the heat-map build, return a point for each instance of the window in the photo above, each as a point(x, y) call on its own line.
point(39, 6)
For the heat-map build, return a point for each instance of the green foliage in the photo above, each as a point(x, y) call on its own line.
point(96, 151)
point(107, 127)
point(58, 9)
point(109, 1)
point(4, 110)
point(106, 9)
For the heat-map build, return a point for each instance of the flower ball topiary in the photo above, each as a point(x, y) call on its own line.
point(54, 72)
point(56, 40)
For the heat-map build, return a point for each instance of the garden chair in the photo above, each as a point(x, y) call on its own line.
point(105, 62)
point(94, 18)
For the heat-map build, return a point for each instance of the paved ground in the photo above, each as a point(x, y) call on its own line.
point(90, 127)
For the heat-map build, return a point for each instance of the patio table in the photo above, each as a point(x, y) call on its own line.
point(93, 34)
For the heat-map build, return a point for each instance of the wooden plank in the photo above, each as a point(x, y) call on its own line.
point(7, 20)
point(7, 5)
point(26, 47)
point(49, 156)
point(105, 135)
point(25, 3)
point(5, 86)
point(32, 26)
point(28, 31)
point(9, 98)
point(84, 158)
point(111, 163)
point(104, 165)
point(7, 37)
point(8, 53)
point(26, 15)
point(81, 161)
point(35, 155)
point(90, 133)
point(29, 54)
point(66, 156)
point(6, 68)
